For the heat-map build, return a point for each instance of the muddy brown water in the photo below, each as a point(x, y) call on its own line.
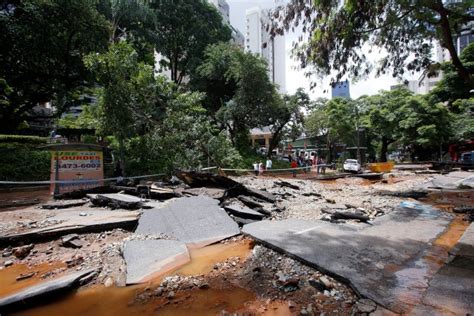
point(8, 276)
point(99, 300)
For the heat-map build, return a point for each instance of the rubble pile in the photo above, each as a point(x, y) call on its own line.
point(120, 235)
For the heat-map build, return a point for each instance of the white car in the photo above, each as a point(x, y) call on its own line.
point(352, 165)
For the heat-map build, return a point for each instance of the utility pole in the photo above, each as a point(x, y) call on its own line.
point(358, 136)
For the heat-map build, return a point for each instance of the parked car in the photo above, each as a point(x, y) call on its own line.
point(352, 165)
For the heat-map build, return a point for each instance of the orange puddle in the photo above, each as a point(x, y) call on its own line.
point(204, 259)
point(99, 300)
point(8, 276)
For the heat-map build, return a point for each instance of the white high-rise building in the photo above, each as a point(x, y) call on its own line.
point(223, 7)
point(259, 41)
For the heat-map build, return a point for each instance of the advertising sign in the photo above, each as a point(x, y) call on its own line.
point(79, 169)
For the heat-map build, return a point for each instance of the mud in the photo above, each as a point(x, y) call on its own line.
point(30, 196)
point(233, 276)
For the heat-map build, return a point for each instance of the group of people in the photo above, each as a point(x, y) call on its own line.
point(259, 168)
point(307, 162)
point(300, 162)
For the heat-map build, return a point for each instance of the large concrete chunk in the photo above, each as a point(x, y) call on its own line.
point(197, 221)
point(452, 180)
point(148, 258)
point(242, 211)
point(116, 200)
point(42, 292)
point(197, 180)
point(379, 261)
point(451, 289)
point(465, 245)
point(63, 204)
point(76, 221)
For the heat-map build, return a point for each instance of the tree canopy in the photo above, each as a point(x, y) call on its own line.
point(182, 31)
point(337, 35)
point(42, 50)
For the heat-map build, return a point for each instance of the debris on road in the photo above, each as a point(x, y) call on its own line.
point(197, 221)
point(146, 258)
point(42, 292)
point(116, 201)
point(371, 234)
point(64, 204)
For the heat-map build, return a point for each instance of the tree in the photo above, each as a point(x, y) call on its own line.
point(216, 75)
point(130, 20)
point(335, 121)
point(42, 50)
point(338, 33)
point(123, 80)
point(463, 124)
point(424, 127)
point(452, 87)
point(286, 117)
point(383, 115)
point(88, 119)
point(253, 101)
point(239, 94)
point(183, 29)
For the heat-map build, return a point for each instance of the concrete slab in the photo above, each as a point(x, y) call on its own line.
point(261, 194)
point(451, 289)
point(76, 221)
point(148, 258)
point(64, 204)
point(465, 245)
point(197, 180)
point(452, 180)
point(197, 221)
point(116, 200)
point(214, 193)
point(42, 292)
point(243, 211)
point(379, 261)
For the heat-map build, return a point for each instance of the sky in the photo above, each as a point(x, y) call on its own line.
point(294, 77)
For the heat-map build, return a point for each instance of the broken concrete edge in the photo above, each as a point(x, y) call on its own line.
point(53, 206)
point(148, 259)
point(315, 266)
point(43, 292)
point(47, 235)
point(414, 194)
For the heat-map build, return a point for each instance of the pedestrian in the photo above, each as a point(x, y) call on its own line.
point(323, 166)
point(318, 165)
point(268, 164)
point(260, 167)
point(255, 168)
point(294, 165)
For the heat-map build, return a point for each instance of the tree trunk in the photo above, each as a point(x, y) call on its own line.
point(384, 149)
point(122, 155)
point(274, 141)
point(448, 42)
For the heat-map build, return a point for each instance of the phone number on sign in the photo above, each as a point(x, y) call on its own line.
point(79, 166)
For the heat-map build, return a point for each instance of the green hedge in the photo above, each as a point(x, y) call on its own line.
point(23, 162)
point(22, 139)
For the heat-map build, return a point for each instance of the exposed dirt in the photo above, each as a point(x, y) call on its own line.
point(234, 276)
